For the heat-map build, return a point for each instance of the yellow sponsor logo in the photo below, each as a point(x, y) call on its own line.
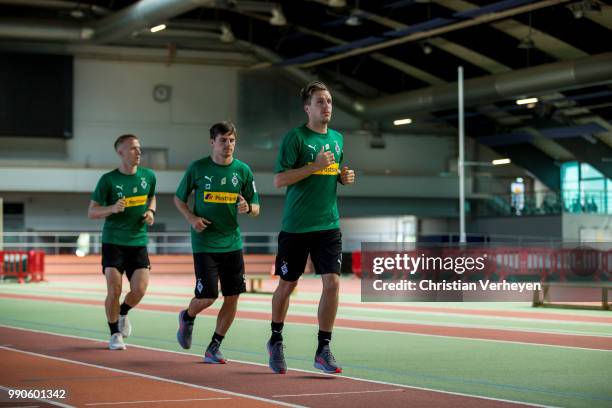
point(331, 170)
point(220, 197)
point(135, 201)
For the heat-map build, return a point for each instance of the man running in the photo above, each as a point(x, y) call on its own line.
point(308, 164)
point(224, 187)
point(125, 198)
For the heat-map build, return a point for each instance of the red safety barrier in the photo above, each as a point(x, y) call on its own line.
point(23, 266)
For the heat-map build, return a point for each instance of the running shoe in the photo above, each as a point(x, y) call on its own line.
point(125, 327)
point(116, 342)
point(183, 335)
point(277, 357)
point(213, 355)
point(325, 361)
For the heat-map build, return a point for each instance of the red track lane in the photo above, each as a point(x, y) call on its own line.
point(242, 378)
point(566, 340)
point(395, 307)
point(85, 385)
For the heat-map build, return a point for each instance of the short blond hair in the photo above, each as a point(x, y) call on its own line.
point(122, 139)
point(309, 89)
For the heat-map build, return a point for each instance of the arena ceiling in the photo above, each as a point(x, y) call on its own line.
point(393, 59)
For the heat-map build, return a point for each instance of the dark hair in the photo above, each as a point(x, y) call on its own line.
point(123, 138)
point(308, 90)
point(222, 128)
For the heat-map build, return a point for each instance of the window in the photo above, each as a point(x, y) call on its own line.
point(585, 189)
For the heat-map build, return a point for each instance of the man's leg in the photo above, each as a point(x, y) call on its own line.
point(111, 305)
point(139, 281)
point(227, 313)
point(280, 300)
point(113, 293)
point(289, 266)
point(327, 258)
point(197, 305)
point(280, 306)
point(138, 287)
point(328, 305)
point(328, 308)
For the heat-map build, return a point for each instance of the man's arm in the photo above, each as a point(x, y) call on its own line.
point(197, 223)
point(149, 214)
point(243, 207)
point(292, 176)
point(346, 176)
point(97, 211)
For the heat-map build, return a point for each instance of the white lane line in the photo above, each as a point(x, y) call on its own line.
point(403, 333)
point(352, 318)
point(57, 404)
point(151, 377)
point(412, 387)
point(157, 401)
point(337, 393)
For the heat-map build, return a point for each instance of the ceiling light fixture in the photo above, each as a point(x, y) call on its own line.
point(336, 3)
point(158, 28)
point(400, 122)
point(227, 36)
point(579, 10)
point(353, 20)
point(526, 101)
point(278, 18)
point(499, 162)
point(426, 47)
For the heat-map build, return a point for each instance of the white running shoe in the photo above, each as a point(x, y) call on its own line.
point(125, 327)
point(116, 342)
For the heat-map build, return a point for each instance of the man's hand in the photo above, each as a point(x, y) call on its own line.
point(119, 206)
point(324, 159)
point(149, 217)
point(198, 223)
point(241, 205)
point(347, 176)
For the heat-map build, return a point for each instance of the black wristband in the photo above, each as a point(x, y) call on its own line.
point(152, 210)
point(250, 208)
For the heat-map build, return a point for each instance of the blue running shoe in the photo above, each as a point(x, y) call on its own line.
point(183, 335)
point(213, 355)
point(325, 361)
point(277, 357)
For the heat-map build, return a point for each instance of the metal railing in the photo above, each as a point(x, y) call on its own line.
point(167, 243)
point(87, 242)
point(545, 203)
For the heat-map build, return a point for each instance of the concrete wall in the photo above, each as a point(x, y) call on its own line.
point(112, 97)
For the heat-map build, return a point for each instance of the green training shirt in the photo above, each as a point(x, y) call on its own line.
point(216, 193)
point(127, 227)
point(310, 204)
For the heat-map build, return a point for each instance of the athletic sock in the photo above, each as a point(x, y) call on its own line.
point(277, 332)
point(216, 338)
point(124, 309)
point(114, 327)
point(324, 339)
point(186, 317)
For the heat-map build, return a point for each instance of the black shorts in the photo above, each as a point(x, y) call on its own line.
point(324, 247)
point(125, 258)
point(226, 267)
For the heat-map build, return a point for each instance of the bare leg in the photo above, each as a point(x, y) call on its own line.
point(138, 287)
point(197, 305)
point(226, 314)
point(280, 300)
point(328, 306)
point(113, 293)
